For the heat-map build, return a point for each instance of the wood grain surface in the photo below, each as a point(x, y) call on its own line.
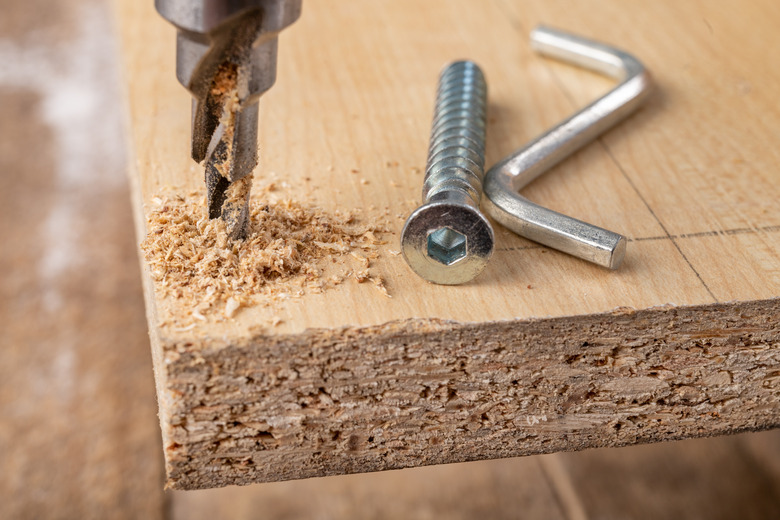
point(691, 180)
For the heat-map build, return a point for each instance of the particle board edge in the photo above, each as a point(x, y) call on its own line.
point(422, 392)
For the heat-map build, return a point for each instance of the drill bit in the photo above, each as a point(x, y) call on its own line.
point(226, 57)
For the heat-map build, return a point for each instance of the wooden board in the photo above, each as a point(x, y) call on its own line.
point(530, 357)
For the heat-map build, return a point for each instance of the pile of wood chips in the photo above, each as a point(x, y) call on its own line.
point(291, 249)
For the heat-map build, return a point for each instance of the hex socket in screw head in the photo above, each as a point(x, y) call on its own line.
point(447, 242)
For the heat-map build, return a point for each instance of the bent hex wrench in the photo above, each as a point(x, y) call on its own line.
point(505, 179)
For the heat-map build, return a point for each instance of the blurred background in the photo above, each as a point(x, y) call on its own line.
point(79, 436)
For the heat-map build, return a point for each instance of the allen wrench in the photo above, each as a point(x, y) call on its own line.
point(503, 181)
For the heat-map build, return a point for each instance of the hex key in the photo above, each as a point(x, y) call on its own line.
point(502, 181)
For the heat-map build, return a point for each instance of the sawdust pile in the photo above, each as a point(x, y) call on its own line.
point(290, 249)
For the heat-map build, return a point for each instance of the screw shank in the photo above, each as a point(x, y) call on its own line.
point(456, 155)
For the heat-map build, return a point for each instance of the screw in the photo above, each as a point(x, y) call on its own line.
point(448, 240)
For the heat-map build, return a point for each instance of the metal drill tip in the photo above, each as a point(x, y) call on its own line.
point(224, 131)
point(233, 147)
point(230, 159)
point(224, 135)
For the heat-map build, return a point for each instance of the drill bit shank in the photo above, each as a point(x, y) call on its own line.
point(226, 57)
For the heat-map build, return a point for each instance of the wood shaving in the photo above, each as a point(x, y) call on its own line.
point(231, 306)
point(224, 80)
point(291, 249)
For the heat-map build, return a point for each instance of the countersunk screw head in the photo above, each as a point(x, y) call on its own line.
point(447, 243)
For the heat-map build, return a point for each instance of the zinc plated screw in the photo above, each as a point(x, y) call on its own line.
point(448, 240)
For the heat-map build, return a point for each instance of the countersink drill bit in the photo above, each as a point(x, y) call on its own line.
point(226, 57)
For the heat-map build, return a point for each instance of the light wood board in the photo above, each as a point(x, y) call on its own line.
point(691, 179)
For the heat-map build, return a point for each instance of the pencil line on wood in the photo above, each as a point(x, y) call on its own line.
point(698, 234)
point(510, 16)
point(652, 212)
point(620, 168)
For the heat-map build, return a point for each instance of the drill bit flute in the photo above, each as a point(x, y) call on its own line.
point(226, 57)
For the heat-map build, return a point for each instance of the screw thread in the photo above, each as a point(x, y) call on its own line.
point(456, 155)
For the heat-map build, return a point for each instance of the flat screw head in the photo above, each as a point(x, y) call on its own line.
point(447, 243)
